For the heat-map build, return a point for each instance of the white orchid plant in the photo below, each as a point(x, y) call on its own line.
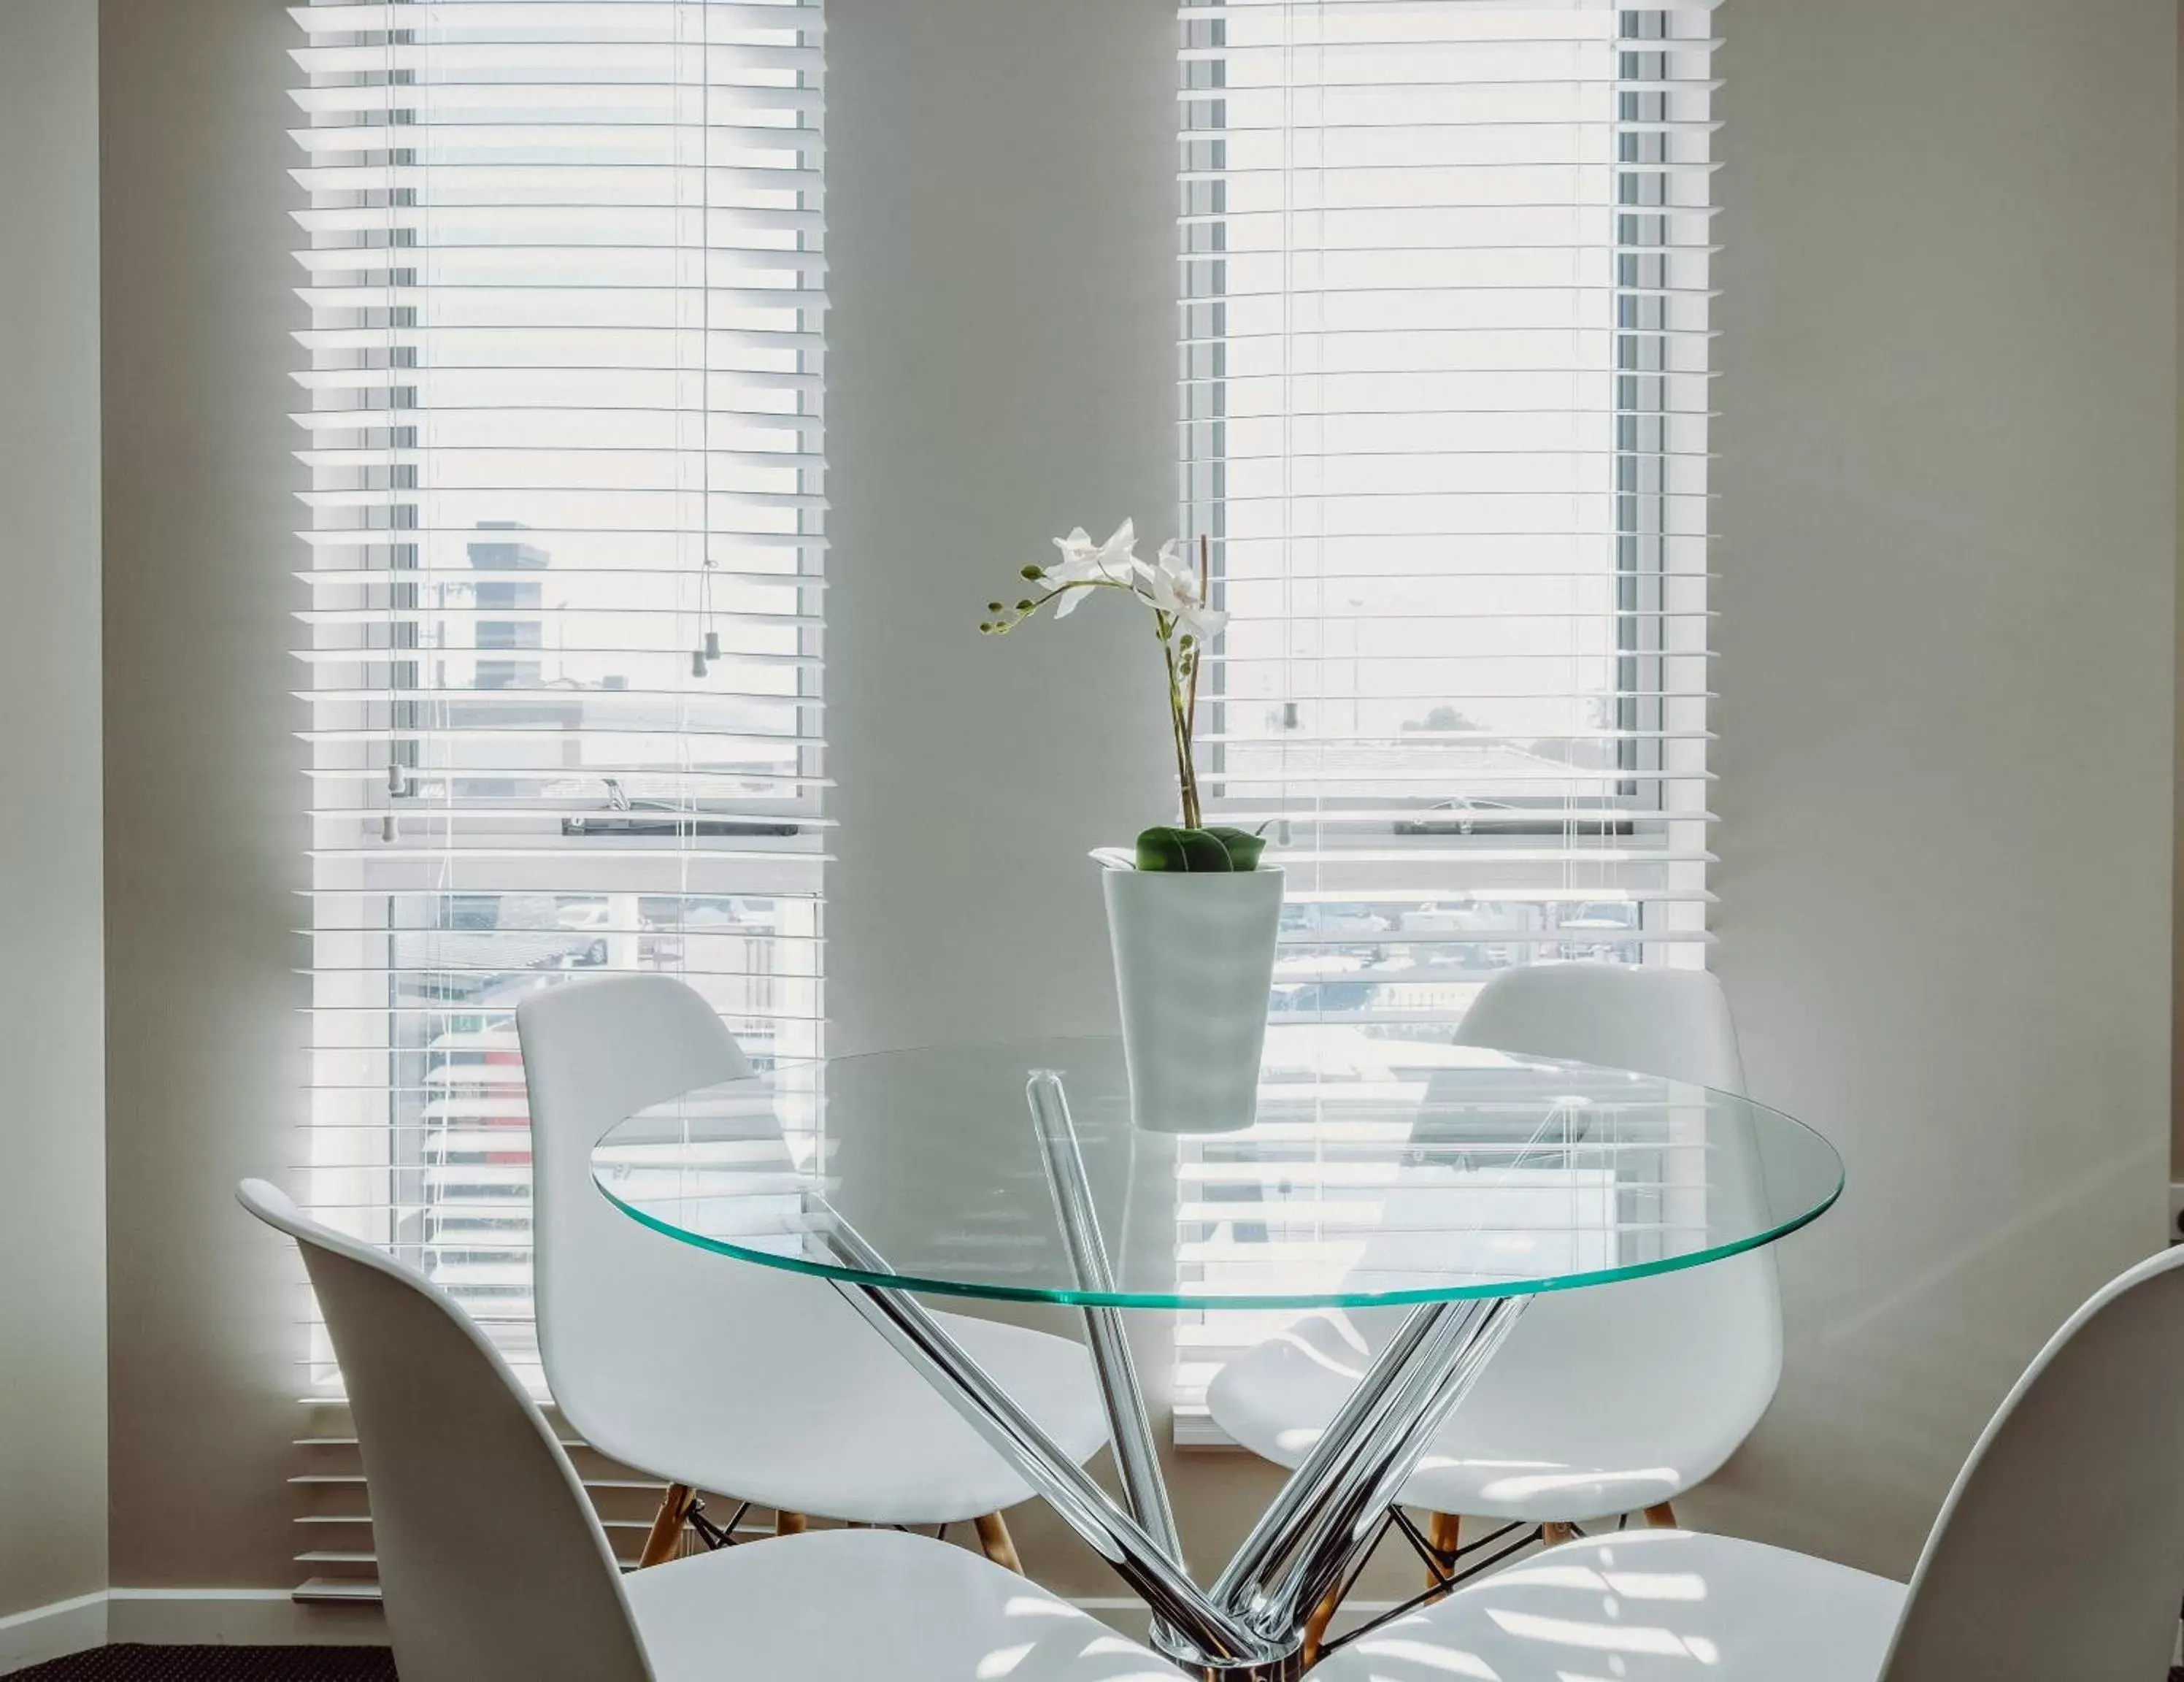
point(1185, 621)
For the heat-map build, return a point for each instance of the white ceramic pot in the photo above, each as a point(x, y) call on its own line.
point(1193, 963)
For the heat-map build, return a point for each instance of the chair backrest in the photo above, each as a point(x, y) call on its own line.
point(1672, 1023)
point(611, 1295)
point(2060, 1550)
point(594, 1052)
point(1716, 1328)
point(493, 1566)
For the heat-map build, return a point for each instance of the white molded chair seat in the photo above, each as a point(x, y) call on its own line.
point(1606, 1400)
point(1644, 1605)
point(495, 1568)
point(721, 1374)
point(2058, 1555)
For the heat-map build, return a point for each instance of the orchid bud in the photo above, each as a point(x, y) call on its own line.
point(1035, 572)
point(993, 607)
point(1026, 605)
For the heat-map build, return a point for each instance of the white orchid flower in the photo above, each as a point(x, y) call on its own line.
point(1085, 562)
point(1171, 586)
point(1183, 619)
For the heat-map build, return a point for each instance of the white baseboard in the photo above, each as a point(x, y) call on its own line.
point(268, 1617)
point(44, 1632)
point(183, 1617)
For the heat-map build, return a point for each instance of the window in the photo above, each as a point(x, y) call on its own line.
point(561, 398)
point(1444, 293)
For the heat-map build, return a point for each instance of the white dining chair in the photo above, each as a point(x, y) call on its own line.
point(494, 1566)
point(713, 1374)
point(1605, 1402)
point(2058, 1556)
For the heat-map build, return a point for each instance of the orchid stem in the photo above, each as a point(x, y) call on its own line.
point(1186, 774)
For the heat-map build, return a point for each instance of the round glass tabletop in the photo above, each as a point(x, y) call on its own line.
point(1376, 1172)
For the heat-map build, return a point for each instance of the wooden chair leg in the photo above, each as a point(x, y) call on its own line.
point(1553, 1535)
point(1662, 1516)
point(788, 1524)
point(1445, 1532)
point(1315, 1628)
point(666, 1534)
point(993, 1540)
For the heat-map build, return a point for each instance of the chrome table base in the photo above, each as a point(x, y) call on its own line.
point(1249, 1626)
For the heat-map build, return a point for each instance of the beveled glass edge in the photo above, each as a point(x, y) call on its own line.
point(841, 1273)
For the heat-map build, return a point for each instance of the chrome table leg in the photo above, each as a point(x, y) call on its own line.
point(1251, 1626)
point(1137, 1457)
point(1218, 1638)
point(1344, 1493)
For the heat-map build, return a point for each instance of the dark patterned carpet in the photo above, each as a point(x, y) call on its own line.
point(132, 1663)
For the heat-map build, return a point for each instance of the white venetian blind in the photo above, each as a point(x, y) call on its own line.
point(561, 402)
point(1444, 281)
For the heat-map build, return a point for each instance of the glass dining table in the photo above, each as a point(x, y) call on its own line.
point(1451, 1185)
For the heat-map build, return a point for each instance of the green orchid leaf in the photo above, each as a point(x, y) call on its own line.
point(1241, 846)
point(1165, 847)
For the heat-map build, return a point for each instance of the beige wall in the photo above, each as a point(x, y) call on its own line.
point(1947, 507)
point(204, 782)
point(52, 1258)
point(2176, 907)
point(1948, 561)
point(1001, 366)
